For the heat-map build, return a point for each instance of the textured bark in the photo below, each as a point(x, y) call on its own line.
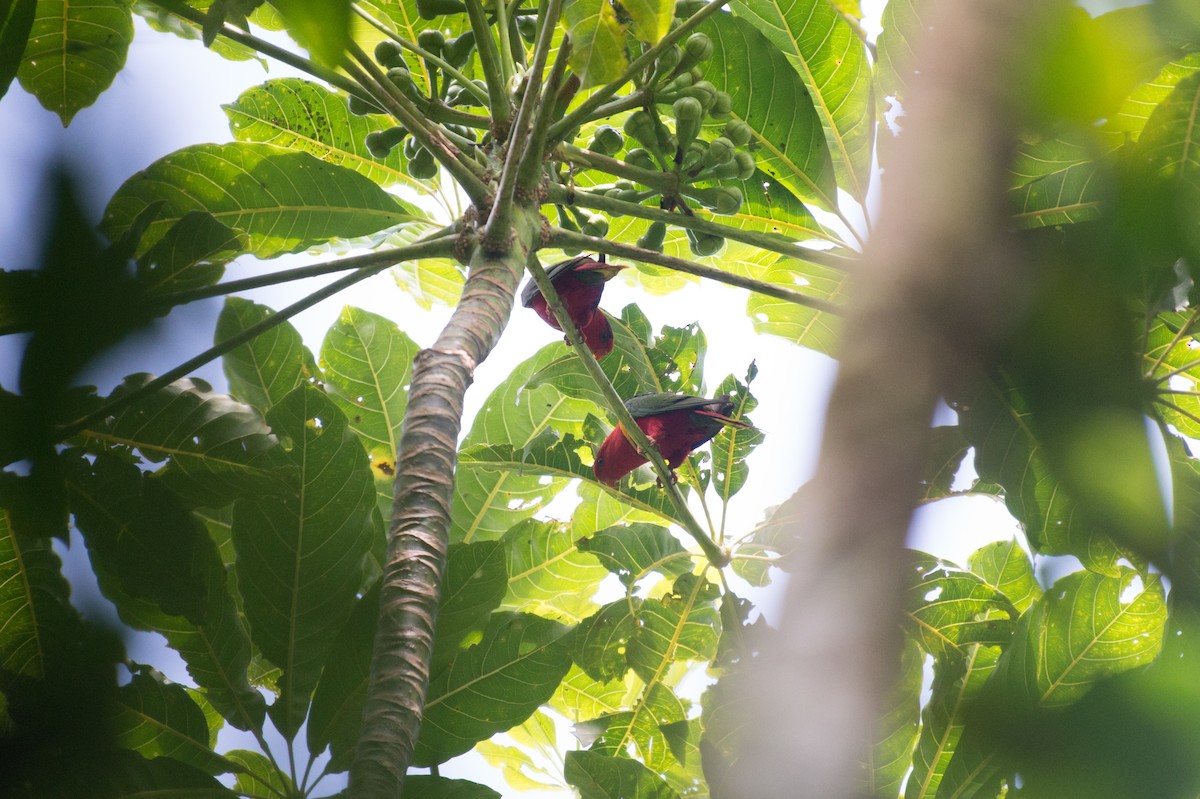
point(418, 536)
point(938, 286)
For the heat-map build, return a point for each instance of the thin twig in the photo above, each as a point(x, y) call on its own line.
point(559, 237)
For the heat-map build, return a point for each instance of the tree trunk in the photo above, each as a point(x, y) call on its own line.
point(418, 536)
point(938, 286)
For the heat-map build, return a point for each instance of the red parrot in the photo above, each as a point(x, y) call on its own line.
point(579, 282)
point(675, 423)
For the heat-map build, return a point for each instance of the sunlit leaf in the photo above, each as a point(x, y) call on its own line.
point(681, 625)
point(598, 51)
point(599, 642)
point(732, 445)
point(190, 255)
point(548, 574)
point(158, 719)
point(1006, 567)
point(808, 327)
point(265, 369)
point(320, 26)
point(599, 776)
point(283, 201)
point(1056, 182)
point(896, 729)
point(646, 726)
point(633, 552)
point(260, 777)
point(651, 18)
point(948, 609)
point(74, 52)
point(1142, 101)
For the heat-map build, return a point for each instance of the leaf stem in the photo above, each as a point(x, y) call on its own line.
point(664, 182)
point(773, 242)
point(558, 237)
point(438, 247)
point(1179, 334)
point(616, 406)
point(493, 74)
point(559, 130)
point(217, 350)
point(529, 176)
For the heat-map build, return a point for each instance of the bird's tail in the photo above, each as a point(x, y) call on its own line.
point(722, 415)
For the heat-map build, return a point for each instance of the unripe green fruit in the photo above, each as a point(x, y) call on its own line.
point(596, 225)
point(640, 126)
point(745, 164)
point(698, 48)
point(694, 154)
point(432, 40)
point(410, 148)
point(360, 107)
point(720, 151)
point(654, 236)
point(402, 78)
point(381, 142)
point(606, 141)
point(722, 105)
point(389, 54)
point(458, 51)
point(641, 158)
point(666, 62)
point(566, 221)
point(430, 9)
point(704, 244)
point(697, 74)
point(688, 116)
point(422, 166)
point(527, 26)
point(725, 200)
point(677, 84)
point(738, 131)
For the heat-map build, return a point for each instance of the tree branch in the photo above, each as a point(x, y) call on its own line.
point(939, 286)
point(616, 407)
point(571, 239)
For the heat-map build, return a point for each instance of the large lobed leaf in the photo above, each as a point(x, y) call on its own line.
point(1056, 182)
point(948, 609)
point(267, 368)
point(74, 51)
point(283, 201)
point(160, 719)
point(832, 61)
point(300, 558)
point(548, 572)
point(599, 776)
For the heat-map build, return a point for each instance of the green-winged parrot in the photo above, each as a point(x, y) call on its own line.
point(675, 423)
point(580, 283)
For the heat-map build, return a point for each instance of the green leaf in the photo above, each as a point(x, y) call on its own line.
point(599, 776)
point(1008, 453)
point(34, 601)
point(1169, 142)
point(300, 115)
point(300, 557)
point(1142, 101)
point(128, 774)
point(1056, 182)
point(1169, 360)
point(948, 609)
point(494, 685)
point(493, 494)
point(832, 61)
point(956, 686)
point(1087, 627)
point(73, 53)
point(15, 26)
point(682, 625)
point(1006, 567)
point(283, 201)
point(475, 584)
point(520, 768)
point(162, 20)
point(902, 23)
point(158, 719)
point(260, 777)
point(651, 18)
point(158, 550)
point(732, 446)
point(805, 326)
point(775, 536)
point(431, 281)
point(320, 26)
point(650, 727)
point(896, 728)
point(598, 41)
point(425, 786)
point(769, 96)
point(267, 368)
point(579, 697)
point(548, 574)
point(948, 448)
point(213, 448)
point(336, 715)
point(366, 363)
point(633, 552)
point(599, 642)
point(190, 255)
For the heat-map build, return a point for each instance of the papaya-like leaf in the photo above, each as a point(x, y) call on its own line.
point(808, 327)
point(283, 201)
point(258, 776)
point(190, 255)
point(598, 41)
point(948, 609)
point(652, 726)
point(1006, 567)
point(896, 728)
point(548, 573)
point(160, 719)
point(633, 552)
point(732, 446)
point(34, 601)
point(1056, 182)
point(599, 642)
point(268, 367)
point(300, 557)
point(599, 776)
point(681, 625)
point(320, 26)
point(494, 685)
point(15, 26)
point(73, 53)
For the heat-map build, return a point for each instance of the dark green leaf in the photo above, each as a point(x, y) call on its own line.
point(599, 776)
point(948, 448)
point(300, 558)
point(1056, 182)
point(599, 642)
point(494, 685)
point(475, 583)
point(128, 774)
point(633, 552)
point(769, 95)
point(34, 601)
point(732, 446)
point(424, 786)
point(266, 369)
point(283, 201)
point(15, 25)
point(158, 719)
point(190, 255)
point(213, 449)
point(682, 625)
point(547, 573)
point(73, 53)
point(260, 776)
